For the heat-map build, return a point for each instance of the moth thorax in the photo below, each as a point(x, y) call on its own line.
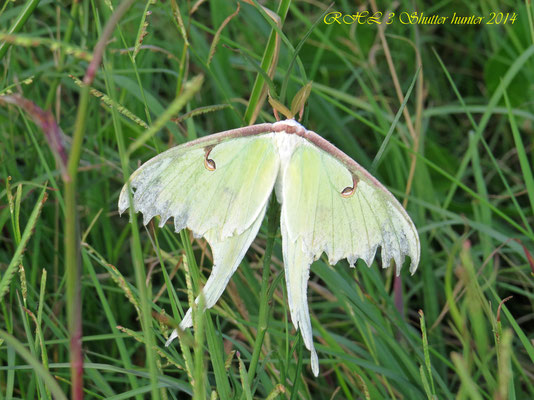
point(286, 145)
point(280, 125)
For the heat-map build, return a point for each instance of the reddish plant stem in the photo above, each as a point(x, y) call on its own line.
point(72, 234)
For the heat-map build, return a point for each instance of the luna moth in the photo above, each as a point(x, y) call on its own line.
point(218, 186)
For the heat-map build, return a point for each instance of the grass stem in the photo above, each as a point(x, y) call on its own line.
point(272, 227)
point(72, 231)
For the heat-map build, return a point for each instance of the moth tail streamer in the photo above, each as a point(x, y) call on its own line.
point(227, 255)
point(297, 270)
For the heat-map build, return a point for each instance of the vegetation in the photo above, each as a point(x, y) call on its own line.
point(441, 114)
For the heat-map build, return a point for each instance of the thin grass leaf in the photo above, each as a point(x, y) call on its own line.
point(21, 19)
point(280, 108)
point(467, 382)
point(23, 285)
point(48, 379)
point(268, 65)
point(140, 339)
point(217, 36)
point(123, 351)
point(179, 21)
point(40, 339)
point(46, 121)
point(245, 384)
point(190, 89)
point(199, 375)
point(14, 208)
point(426, 386)
point(505, 372)
point(384, 144)
point(276, 392)
point(16, 222)
point(495, 98)
point(26, 235)
point(42, 291)
point(119, 280)
point(528, 6)
point(488, 150)
point(428, 365)
point(294, 59)
point(521, 154)
point(25, 317)
point(53, 45)
point(142, 31)
point(25, 82)
point(112, 104)
point(200, 111)
point(298, 102)
point(216, 351)
point(529, 348)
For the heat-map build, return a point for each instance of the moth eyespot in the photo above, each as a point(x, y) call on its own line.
point(208, 162)
point(350, 190)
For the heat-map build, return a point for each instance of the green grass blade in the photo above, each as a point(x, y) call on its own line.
point(26, 235)
point(521, 154)
point(47, 378)
point(29, 7)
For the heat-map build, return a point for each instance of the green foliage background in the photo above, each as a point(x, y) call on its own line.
point(460, 156)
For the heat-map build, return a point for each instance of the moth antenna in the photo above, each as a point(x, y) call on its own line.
point(349, 190)
point(208, 162)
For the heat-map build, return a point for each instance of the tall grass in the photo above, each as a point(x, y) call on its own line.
point(441, 114)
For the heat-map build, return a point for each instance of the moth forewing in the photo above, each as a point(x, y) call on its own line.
point(198, 192)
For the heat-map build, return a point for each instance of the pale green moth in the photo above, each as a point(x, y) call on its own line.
point(218, 186)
